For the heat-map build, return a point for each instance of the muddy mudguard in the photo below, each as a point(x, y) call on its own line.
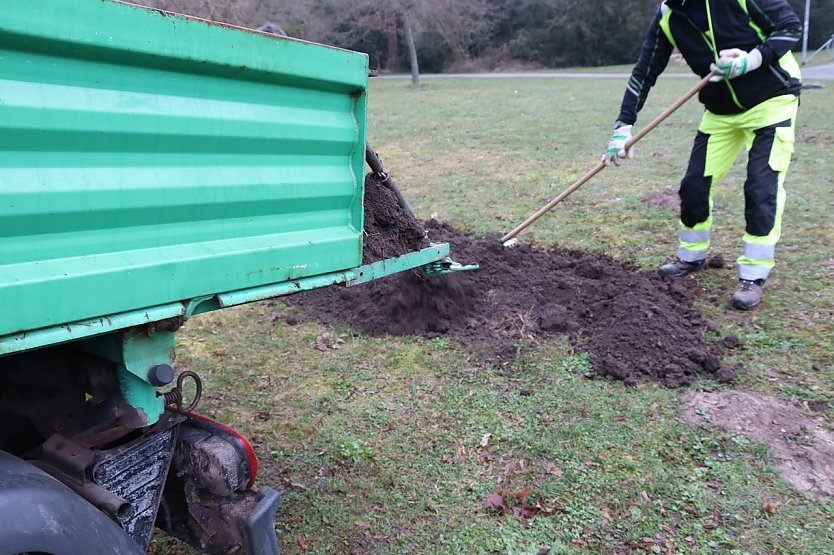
point(40, 514)
point(210, 501)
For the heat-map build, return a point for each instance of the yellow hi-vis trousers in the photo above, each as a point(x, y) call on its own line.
point(767, 131)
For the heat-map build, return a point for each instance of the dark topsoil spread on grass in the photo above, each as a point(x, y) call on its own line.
point(635, 326)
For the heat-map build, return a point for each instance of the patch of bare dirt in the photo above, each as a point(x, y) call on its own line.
point(664, 199)
point(803, 448)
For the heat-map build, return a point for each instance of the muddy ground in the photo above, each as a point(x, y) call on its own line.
point(635, 326)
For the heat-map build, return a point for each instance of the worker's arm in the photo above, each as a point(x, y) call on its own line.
point(654, 56)
point(780, 24)
point(782, 29)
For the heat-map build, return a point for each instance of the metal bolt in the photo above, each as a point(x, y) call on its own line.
point(161, 375)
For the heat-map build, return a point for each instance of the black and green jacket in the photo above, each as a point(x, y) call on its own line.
point(702, 28)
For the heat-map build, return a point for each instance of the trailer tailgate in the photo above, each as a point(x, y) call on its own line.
point(149, 158)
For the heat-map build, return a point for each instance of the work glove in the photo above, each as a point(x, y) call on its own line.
point(734, 63)
point(616, 146)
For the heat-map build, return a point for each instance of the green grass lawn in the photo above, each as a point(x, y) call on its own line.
point(375, 446)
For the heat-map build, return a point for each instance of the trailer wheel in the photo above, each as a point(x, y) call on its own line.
point(39, 514)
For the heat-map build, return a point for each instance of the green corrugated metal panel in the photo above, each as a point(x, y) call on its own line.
point(74, 331)
point(146, 159)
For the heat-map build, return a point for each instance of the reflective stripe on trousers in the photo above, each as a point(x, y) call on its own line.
point(693, 245)
point(767, 132)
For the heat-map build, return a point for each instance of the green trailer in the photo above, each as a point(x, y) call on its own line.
point(154, 167)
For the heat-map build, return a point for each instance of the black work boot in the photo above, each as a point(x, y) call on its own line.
point(680, 268)
point(749, 294)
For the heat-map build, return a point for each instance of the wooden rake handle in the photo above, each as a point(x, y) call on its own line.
point(601, 165)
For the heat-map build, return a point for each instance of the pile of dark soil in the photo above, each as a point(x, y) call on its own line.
point(390, 229)
point(635, 326)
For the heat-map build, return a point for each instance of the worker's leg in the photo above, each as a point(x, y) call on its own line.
point(770, 145)
point(716, 147)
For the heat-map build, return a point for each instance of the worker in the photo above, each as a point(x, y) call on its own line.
point(751, 102)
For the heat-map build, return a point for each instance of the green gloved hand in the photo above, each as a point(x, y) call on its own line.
point(734, 63)
point(616, 146)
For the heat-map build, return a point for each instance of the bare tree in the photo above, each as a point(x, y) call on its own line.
point(462, 24)
point(412, 50)
point(392, 58)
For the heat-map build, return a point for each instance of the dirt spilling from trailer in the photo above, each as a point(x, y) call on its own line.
point(635, 326)
point(390, 229)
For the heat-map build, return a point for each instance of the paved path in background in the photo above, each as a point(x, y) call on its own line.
point(520, 76)
point(823, 72)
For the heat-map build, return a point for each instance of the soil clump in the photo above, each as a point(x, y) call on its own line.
point(635, 326)
point(716, 262)
point(390, 229)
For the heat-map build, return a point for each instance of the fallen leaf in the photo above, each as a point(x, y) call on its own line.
point(294, 485)
point(302, 544)
point(496, 503)
point(525, 512)
point(546, 510)
point(485, 440)
point(522, 494)
point(327, 341)
point(553, 470)
point(619, 418)
point(363, 525)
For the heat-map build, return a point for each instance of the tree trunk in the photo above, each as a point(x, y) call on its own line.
point(412, 51)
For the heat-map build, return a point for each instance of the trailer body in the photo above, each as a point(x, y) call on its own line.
point(154, 167)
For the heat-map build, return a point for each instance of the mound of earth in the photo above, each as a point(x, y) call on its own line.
point(390, 229)
point(635, 326)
